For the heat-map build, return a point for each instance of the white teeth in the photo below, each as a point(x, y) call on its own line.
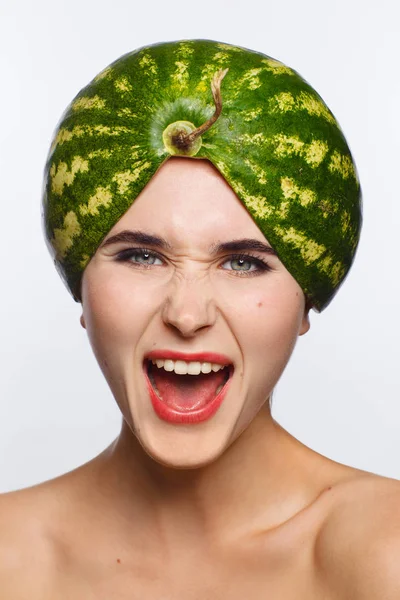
point(181, 367)
point(194, 368)
point(169, 365)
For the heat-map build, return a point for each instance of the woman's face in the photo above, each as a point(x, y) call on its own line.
point(192, 297)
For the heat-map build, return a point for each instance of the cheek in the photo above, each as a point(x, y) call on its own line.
point(115, 310)
point(270, 324)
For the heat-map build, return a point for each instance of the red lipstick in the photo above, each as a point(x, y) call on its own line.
point(211, 357)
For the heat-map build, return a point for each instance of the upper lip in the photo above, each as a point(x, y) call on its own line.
point(212, 357)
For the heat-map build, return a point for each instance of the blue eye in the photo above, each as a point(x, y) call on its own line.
point(244, 264)
point(139, 256)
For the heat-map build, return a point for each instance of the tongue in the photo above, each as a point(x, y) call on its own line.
point(186, 392)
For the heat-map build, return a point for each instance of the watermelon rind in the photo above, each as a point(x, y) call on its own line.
point(276, 143)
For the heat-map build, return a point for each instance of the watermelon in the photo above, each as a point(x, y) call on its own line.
point(264, 128)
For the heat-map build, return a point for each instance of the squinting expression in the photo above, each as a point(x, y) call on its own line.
point(166, 278)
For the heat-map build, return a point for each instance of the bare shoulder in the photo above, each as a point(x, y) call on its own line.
point(358, 545)
point(26, 555)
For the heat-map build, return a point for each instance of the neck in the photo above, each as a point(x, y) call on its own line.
point(264, 478)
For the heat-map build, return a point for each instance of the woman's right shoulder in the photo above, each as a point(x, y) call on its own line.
point(25, 550)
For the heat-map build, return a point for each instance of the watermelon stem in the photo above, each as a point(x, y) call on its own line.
point(183, 140)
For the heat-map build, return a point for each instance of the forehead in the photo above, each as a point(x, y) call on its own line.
point(189, 198)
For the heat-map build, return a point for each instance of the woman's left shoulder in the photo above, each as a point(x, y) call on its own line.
point(358, 545)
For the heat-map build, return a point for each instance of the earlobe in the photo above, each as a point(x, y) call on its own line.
point(82, 321)
point(305, 324)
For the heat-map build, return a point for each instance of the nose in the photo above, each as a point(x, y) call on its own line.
point(189, 305)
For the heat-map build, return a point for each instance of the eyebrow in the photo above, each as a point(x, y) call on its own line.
point(240, 245)
point(140, 237)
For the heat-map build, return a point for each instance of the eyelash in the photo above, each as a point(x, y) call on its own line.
point(126, 255)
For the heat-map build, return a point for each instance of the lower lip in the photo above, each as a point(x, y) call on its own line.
point(167, 413)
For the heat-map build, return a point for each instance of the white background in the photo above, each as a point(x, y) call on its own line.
point(340, 394)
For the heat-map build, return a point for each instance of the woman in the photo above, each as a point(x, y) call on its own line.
point(194, 289)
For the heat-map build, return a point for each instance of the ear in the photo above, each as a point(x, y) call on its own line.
point(305, 323)
point(82, 321)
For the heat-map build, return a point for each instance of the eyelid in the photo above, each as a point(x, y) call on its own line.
point(125, 252)
point(258, 260)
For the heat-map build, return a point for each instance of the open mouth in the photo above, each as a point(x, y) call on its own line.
point(187, 386)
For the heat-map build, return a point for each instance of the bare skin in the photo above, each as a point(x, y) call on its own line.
point(86, 535)
point(234, 507)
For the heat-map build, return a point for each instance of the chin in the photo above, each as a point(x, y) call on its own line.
point(173, 455)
